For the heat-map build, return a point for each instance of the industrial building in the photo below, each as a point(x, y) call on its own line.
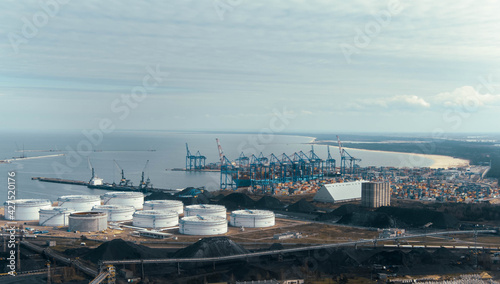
point(135, 199)
point(252, 218)
point(116, 213)
point(54, 216)
point(339, 192)
point(79, 203)
point(203, 225)
point(205, 210)
point(88, 221)
point(165, 205)
point(375, 194)
point(25, 209)
point(155, 219)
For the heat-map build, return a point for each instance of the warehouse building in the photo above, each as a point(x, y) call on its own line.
point(339, 192)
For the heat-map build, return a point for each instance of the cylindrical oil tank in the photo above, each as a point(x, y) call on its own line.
point(155, 219)
point(55, 216)
point(88, 221)
point(133, 198)
point(251, 218)
point(203, 225)
point(79, 203)
point(25, 209)
point(116, 213)
point(205, 210)
point(165, 205)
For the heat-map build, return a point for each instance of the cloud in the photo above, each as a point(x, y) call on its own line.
point(466, 97)
point(399, 101)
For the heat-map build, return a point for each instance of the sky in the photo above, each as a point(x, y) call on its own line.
point(241, 65)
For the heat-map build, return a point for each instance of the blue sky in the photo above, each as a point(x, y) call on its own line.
point(232, 64)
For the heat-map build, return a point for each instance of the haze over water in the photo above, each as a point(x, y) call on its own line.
point(131, 150)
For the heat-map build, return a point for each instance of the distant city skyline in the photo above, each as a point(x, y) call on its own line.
point(238, 65)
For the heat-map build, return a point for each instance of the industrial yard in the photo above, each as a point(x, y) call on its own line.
point(287, 227)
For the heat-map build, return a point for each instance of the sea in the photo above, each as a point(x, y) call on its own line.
point(132, 150)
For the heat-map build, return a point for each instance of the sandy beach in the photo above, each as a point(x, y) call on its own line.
point(415, 159)
point(439, 161)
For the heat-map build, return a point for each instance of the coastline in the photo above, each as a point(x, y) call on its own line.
point(439, 161)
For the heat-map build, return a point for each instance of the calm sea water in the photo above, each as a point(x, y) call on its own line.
point(130, 150)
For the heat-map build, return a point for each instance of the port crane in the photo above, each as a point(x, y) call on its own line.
point(194, 162)
point(346, 160)
point(123, 180)
point(145, 183)
point(330, 163)
point(227, 170)
point(94, 180)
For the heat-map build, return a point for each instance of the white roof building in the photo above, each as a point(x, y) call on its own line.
point(338, 192)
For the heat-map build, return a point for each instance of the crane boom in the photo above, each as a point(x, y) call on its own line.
point(340, 147)
point(221, 154)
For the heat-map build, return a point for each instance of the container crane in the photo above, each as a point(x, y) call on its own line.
point(330, 162)
point(194, 162)
point(344, 157)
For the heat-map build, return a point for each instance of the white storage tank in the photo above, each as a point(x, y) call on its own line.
point(79, 203)
point(116, 213)
point(127, 198)
point(155, 219)
point(25, 209)
point(55, 216)
point(251, 218)
point(88, 221)
point(203, 225)
point(205, 210)
point(165, 205)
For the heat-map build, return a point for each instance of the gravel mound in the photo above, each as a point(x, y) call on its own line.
point(236, 201)
point(211, 247)
point(301, 206)
point(270, 203)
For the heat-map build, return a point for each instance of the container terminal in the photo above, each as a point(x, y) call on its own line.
point(73, 237)
point(315, 189)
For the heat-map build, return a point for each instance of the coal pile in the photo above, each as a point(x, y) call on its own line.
point(211, 247)
point(415, 217)
point(341, 211)
point(276, 246)
point(395, 257)
point(269, 203)
point(159, 196)
point(369, 219)
point(302, 206)
point(348, 208)
point(188, 196)
point(444, 253)
point(420, 256)
point(119, 249)
point(77, 252)
point(236, 201)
